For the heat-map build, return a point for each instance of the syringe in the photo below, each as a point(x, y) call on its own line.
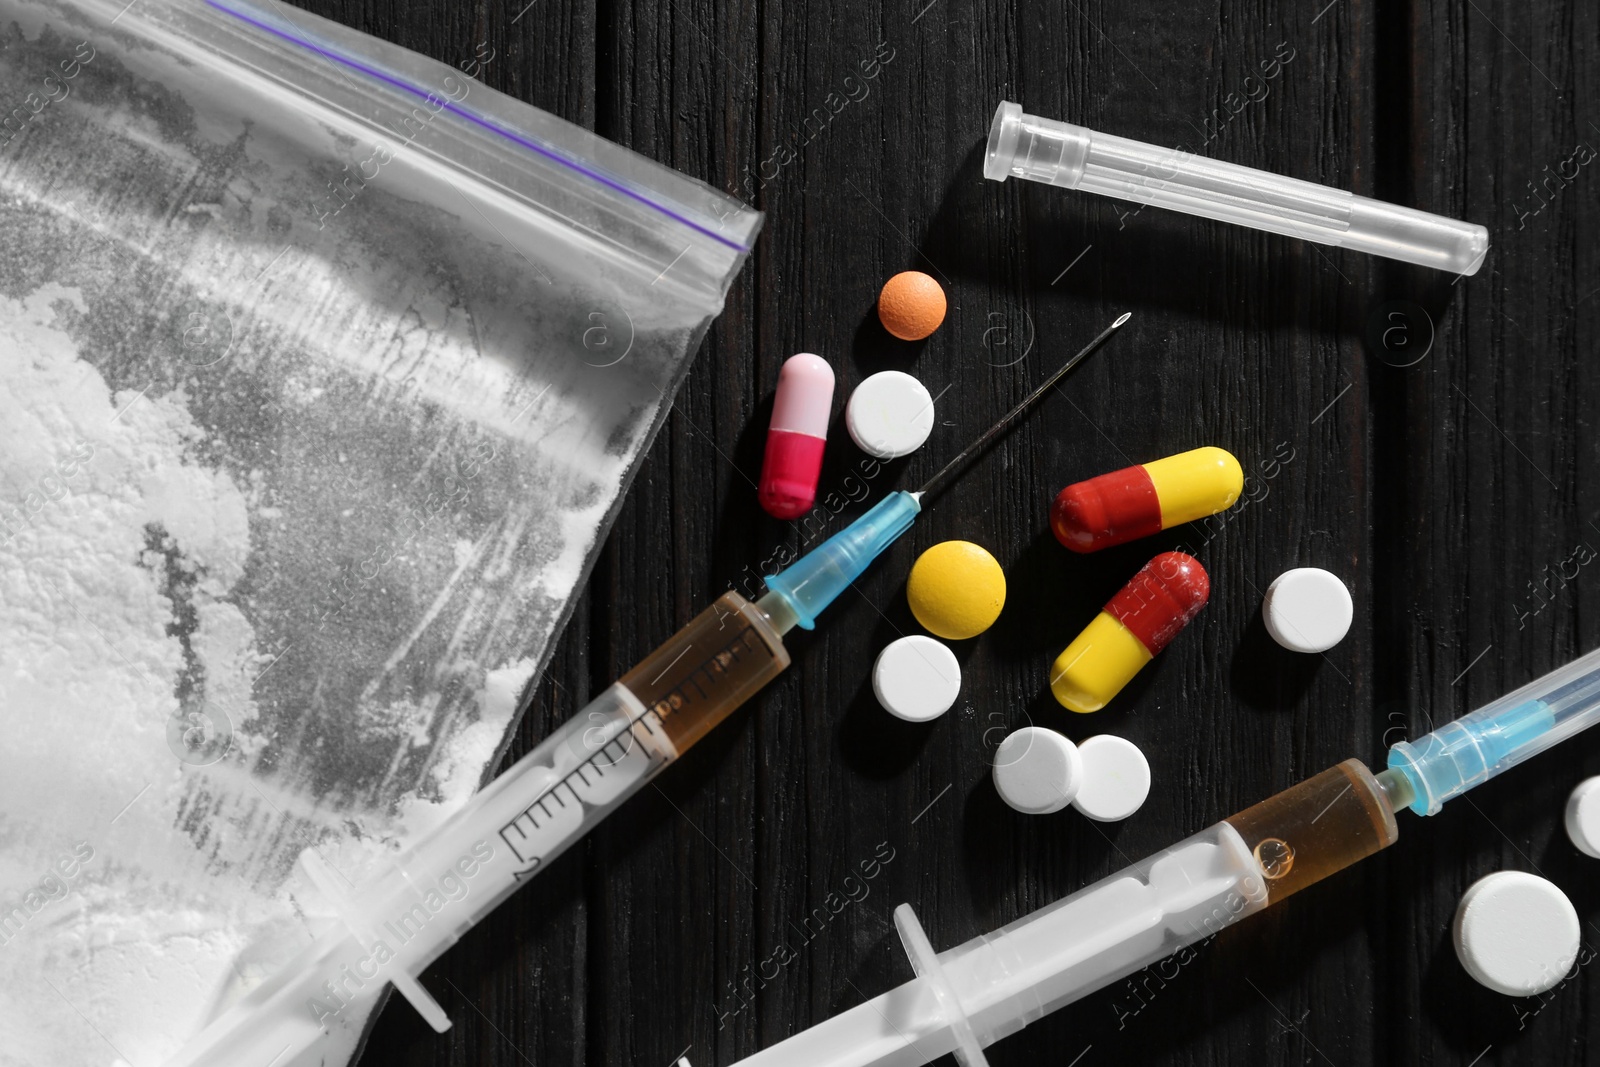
point(404, 919)
point(974, 994)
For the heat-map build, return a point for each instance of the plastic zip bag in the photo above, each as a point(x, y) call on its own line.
point(323, 369)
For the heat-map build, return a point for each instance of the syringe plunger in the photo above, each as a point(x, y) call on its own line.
point(970, 996)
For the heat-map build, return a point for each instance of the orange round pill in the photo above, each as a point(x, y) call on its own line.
point(911, 305)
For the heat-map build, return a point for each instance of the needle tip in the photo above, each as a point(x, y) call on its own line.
point(1124, 317)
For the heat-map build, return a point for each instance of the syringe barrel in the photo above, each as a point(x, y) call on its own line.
point(434, 892)
point(1474, 748)
point(1074, 157)
point(1171, 900)
point(1001, 981)
point(591, 764)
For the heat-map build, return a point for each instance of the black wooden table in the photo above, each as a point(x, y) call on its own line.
point(1448, 478)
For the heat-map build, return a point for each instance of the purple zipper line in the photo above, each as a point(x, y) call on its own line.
point(510, 135)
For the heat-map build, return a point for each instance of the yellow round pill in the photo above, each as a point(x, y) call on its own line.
point(956, 590)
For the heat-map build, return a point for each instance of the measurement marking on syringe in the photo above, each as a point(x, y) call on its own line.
point(593, 770)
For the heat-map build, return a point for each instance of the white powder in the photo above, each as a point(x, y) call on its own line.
point(344, 528)
point(103, 508)
point(87, 661)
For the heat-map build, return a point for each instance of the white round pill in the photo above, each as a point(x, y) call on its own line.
point(1116, 778)
point(1037, 771)
point(1583, 817)
point(1516, 933)
point(1307, 610)
point(916, 678)
point(889, 415)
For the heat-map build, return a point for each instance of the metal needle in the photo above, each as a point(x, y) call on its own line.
point(1011, 416)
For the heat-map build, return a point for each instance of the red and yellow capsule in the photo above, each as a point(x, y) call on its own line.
point(1136, 502)
point(1136, 624)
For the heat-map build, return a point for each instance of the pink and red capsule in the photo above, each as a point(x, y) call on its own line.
point(796, 437)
